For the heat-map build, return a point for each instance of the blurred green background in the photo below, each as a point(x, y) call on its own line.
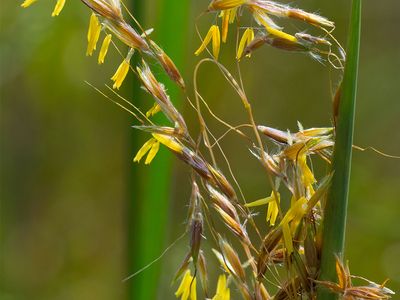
point(67, 177)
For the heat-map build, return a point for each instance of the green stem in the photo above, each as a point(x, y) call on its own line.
point(150, 186)
point(336, 205)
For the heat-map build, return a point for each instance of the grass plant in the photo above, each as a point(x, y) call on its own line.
point(300, 255)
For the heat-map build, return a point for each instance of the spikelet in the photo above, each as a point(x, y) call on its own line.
point(232, 257)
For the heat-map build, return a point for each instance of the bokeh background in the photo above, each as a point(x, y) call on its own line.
point(71, 196)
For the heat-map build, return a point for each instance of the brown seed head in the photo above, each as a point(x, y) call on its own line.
point(222, 183)
point(233, 225)
point(312, 39)
point(196, 231)
point(275, 134)
point(202, 268)
point(302, 271)
point(223, 202)
point(289, 290)
point(232, 257)
point(156, 89)
point(105, 9)
point(128, 35)
point(261, 292)
point(366, 293)
point(268, 245)
point(308, 17)
point(168, 65)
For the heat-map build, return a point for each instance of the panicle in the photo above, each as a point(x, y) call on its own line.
point(262, 12)
point(295, 243)
point(113, 20)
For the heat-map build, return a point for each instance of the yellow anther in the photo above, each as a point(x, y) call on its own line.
point(27, 3)
point(120, 74)
point(213, 35)
point(93, 34)
point(58, 8)
point(104, 48)
point(246, 39)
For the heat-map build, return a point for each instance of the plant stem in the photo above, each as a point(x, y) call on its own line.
point(149, 188)
point(336, 206)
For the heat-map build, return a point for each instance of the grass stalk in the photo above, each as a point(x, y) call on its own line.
point(336, 205)
point(149, 189)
